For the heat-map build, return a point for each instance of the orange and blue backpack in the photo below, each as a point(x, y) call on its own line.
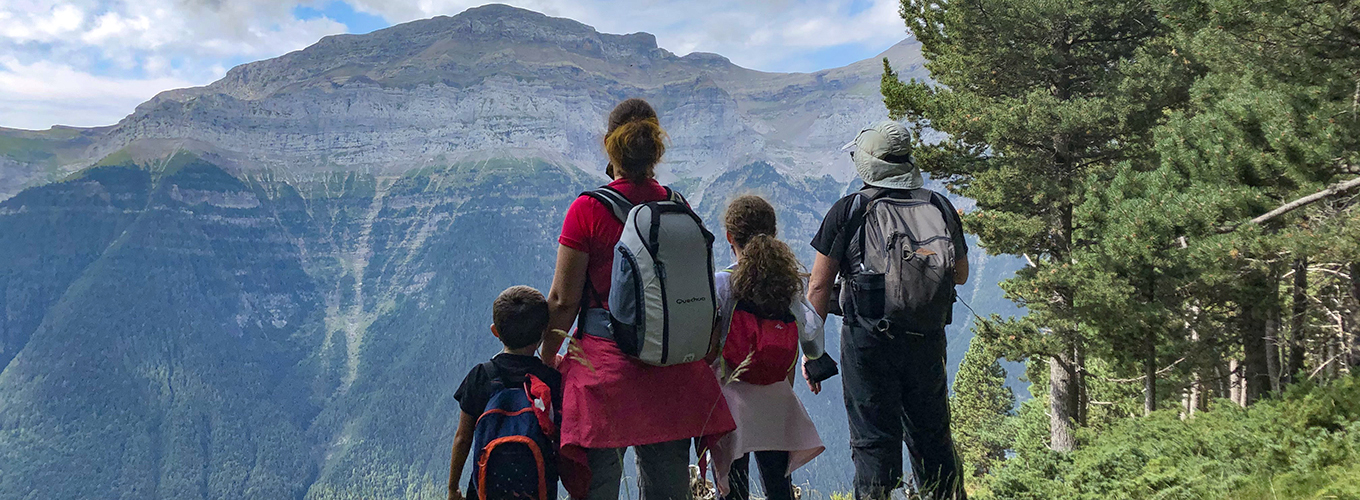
point(515, 442)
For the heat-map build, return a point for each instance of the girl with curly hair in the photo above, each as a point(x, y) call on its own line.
point(761, 295)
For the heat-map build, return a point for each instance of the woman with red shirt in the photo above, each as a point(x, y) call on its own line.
point(612, 401)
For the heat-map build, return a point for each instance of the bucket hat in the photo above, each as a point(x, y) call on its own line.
point(882, 155)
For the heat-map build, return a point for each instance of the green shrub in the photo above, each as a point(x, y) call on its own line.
point(1305, 444)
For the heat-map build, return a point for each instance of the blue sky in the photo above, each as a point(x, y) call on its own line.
point(355, 22)
point(90, 62)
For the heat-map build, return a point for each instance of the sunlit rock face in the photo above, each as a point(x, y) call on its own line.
point(494, 81)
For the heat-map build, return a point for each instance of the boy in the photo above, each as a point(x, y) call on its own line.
point(520, 316)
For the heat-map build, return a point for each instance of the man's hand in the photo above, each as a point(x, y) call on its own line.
point(454, 494)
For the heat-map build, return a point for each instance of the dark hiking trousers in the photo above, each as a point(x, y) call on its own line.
point(774, 469)
point(896, 392)
point(663, 471)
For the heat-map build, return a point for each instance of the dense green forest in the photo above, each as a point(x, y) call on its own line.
point(1180, 177)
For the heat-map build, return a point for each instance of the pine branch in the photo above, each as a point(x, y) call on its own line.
point(1332, 190)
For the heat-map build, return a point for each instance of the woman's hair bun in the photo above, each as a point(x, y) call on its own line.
point(634, 140)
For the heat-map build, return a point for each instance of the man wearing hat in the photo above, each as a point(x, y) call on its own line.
point(894, 371)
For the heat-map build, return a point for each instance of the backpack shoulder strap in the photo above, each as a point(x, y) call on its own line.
point(494, 379)
point(940, 202)
point(612, 199)
point(859, 209)
point(874, 193)
point(675, 196)
point(859, 206)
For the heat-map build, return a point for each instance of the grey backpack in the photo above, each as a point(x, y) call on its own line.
point(661, 297)
point(904, 278)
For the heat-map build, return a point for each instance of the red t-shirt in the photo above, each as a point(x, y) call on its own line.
point(611, 400)
point(592, 228)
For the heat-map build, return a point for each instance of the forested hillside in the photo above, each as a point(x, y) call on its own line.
point(1181, 178)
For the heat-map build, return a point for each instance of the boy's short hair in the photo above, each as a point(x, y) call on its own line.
point(521, 315)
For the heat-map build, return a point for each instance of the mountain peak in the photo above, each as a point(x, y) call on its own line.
point(454, 50)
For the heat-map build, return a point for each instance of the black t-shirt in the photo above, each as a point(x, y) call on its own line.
point(476, 390)
point(833, 239)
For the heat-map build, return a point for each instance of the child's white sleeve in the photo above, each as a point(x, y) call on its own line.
point(811, 329)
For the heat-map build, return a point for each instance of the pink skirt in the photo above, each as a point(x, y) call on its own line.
point(617, 401)
point(769, 418)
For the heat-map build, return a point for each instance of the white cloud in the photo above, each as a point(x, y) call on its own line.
point(42, 94)
point(42, 26)
point(123, 51)
point(90, 62)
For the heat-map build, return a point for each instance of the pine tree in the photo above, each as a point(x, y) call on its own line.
point(979, 409)
point(1041, 102)
point(1274, 121)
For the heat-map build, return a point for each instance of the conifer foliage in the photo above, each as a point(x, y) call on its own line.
point(979, 407)
point(1043, 103)
point(1181, 177)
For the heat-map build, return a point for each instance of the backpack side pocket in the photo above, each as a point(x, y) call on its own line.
point(868, 291)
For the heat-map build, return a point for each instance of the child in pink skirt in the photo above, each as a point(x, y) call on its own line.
point(760, 298)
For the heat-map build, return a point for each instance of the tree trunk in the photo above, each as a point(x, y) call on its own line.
point(1271, 308)
point(1062, 392)
point(1185, 403)
point(1255, 371)
point(1272, 355)
point(1197, 390)
point(1149, 372)
point(1353, 325)
point(1083, 399)
point(1298, 344)
point(1332, 357)
point(1223, 381)
point(1238, 384)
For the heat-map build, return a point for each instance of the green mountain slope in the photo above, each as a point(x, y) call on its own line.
point(177, 331)
point(164, 370)
point(197, 335)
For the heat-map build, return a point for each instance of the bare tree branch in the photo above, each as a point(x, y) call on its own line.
point(1160, 372)
point(1331, 190)
point(1320, 367)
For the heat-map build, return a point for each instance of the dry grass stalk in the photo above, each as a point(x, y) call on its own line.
point(740, 369)
point(574, 350)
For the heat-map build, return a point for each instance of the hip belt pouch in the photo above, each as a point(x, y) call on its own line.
point(596, 323)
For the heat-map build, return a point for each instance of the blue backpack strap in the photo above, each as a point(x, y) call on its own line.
point(612, 199)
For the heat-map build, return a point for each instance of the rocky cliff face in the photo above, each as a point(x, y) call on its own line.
point(269, 287)
point(494, 82)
